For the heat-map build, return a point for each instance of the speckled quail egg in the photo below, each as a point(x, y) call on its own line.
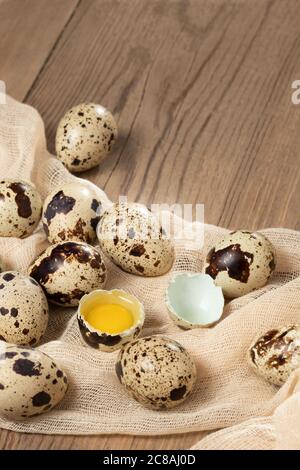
point(30, 382)
point(67, 271)
point(276, 354)
point(85, 135)
point(157, 371)
point(134, 240)
point(71, 212)
point(23, 309)
point(20, 208)
point(241, 262)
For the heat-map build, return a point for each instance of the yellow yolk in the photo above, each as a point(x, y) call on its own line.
point(110, 318)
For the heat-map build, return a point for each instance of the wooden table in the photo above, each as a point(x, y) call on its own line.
point(202, 93)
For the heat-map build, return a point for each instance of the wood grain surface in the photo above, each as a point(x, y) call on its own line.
point(201, 90)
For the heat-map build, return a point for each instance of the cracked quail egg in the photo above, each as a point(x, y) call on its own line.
point(85, 135)
point(109, 319)
point(241, 262)
point(134, 240)
point(20, 208)
point(276, 354)
point(23, 309)
point(157, 371)
point(30, 382)
point(69, 270)
point(194, 301)
point(71, 212)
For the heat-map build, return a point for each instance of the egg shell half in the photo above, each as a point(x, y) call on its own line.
point(194, 301)
point(23, 309)
point(104, 341)
point(69, 270)
point(276, 354)
point(85, 135)
point(71, 212)
point(241, 262)
point(134, 240)
point(157, 371)
point(20, 208)
point(30, 382)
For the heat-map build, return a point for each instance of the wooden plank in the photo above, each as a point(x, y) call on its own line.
point(202, 94)
point(202, 97)
point(29, 31)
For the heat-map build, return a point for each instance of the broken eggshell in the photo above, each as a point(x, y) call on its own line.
point(241, 262)
point(194, 301)
point(276, 354)
point(100, 339)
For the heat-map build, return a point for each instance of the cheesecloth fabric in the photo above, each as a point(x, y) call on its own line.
point(242, 409)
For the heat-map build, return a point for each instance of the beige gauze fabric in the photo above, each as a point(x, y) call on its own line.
point(243, 409)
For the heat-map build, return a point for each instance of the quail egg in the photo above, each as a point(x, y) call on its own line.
point(85, 135)
point(157, 371)
point(71, 212)
point(67, 271)
point(194, 301)
point(134, 240)
point(30, 382)
point(109, 319)
point(241, 262)
point(20, 208)
point(276, 354)
point(23, 309)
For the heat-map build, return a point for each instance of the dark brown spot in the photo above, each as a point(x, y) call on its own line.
point(8, 277)
point(14, 312)
point(8, 355)
point(76, 161)
point(59, 204)
point(139, 268)
point(59, 374)
point(25, 331)
point(231, 259)
point(277, 361)
point(2, 387)
point(22, 200)
point(137, 250)
point(4, 311)
point(26, 367)
point(96, 206)
point(178, 393)
point(156, 263)
point(41, 399)
point(116, 240)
